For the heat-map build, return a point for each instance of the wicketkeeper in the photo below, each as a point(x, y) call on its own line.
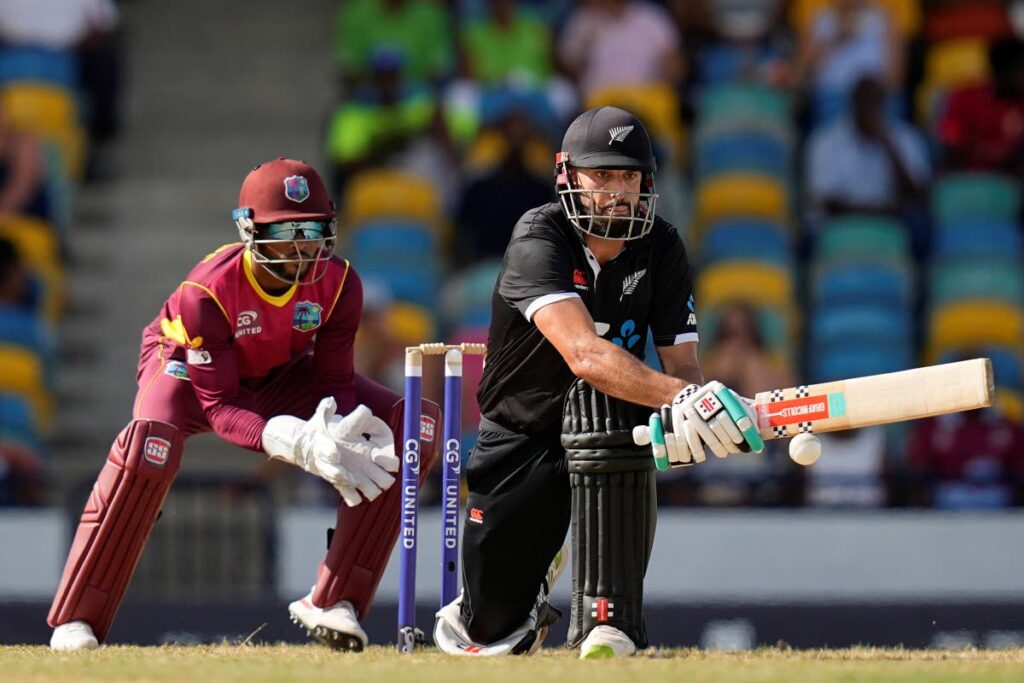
point(255, 344)
point(582, 281)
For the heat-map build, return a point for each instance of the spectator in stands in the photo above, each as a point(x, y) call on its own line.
point(620, 42)
point(22, 173)
point(848, 39)
point(417, 29)
point(983, 125)
point(508, 43)
point(967, 460)
point(747, 42)
point(491, 204)
point(14, 280)
point(389, 122)
point(866, 162)
point(739, 357)
point(853, 472)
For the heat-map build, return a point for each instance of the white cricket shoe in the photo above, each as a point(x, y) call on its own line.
point(606, 642)
point(336, 627)
point(74, 635)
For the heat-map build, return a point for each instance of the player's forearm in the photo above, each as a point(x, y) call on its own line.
point(612, 370)
point(239, 426)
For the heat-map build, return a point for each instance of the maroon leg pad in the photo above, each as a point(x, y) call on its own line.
point(365, 534)
point(117, 520)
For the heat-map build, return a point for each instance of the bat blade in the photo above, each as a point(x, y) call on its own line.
point(871, 400)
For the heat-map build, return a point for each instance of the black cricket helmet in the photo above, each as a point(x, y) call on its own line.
point(608, 138)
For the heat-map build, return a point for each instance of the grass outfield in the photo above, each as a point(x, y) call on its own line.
point(252, 664)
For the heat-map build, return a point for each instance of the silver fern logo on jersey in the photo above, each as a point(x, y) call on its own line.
point(619, 133)
point(630, 283)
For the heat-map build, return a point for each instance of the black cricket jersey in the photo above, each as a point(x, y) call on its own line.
point(648, 285)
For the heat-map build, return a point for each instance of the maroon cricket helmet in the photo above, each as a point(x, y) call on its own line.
point(285, 190)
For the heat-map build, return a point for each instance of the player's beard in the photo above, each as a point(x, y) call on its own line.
point(608, 224)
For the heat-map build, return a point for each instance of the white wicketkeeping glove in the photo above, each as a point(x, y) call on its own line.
point(352, 455)
point(699, 419)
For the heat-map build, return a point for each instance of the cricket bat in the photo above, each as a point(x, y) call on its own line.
point(867, 401)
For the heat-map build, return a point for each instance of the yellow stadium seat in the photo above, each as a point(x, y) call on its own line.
point(741, 195)
point(753, 282)
point(488, 149)
point(975, 323)
point(390, 194)
point(51, 113)
point(905, 14)
point(1011, 404)
point(949, 65)
point(37, 246)
point(23, 374)
point(656, 104)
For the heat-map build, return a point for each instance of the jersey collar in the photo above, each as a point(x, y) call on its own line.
point(279, 300)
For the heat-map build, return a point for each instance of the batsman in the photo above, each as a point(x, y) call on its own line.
point(256, 345)
point(583, 280)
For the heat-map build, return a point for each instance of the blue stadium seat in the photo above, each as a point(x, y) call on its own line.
point(413, 286)
point(840, 284)
point(746, 239)
point(392, 234)
point(1007, 364)
point(867, 323)
point(40, 65)
point(18, 421)
point(744, 151)
point(978, 238)
point(843, 361)
point(23, 328)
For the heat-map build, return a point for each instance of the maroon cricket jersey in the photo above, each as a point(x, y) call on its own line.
point(232, 335)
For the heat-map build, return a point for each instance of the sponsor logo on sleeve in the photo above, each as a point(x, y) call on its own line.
point(198, 357)
point(692, 318)
point(156, 450)
point(307, 316)
point(175, 368)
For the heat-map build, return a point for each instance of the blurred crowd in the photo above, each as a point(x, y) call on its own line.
point(846, 175)
point(59, 86)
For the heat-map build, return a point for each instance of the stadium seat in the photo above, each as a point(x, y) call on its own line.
point(1010, 403)
point(466, 298)
point(741, 195)
point(18, 422)
point(384, 194)
point(417, 286)
point(976, 197)
point(984, 239)
point(25, 63)
point(37, 245)
point(773, 324)
point(871, 324)
point(51, 113)
point(748, 149)
point(752, 240)
point(24, 375)
point(388, 234)
point(1007, 363)
point(745, 102)
point(975, 323)
point(843, 361)
point(904, 14)
point(1000, 279)
point(951, 64)
point(873, 237)
point(657, 105)
point(853, 282)
point(758, 284)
